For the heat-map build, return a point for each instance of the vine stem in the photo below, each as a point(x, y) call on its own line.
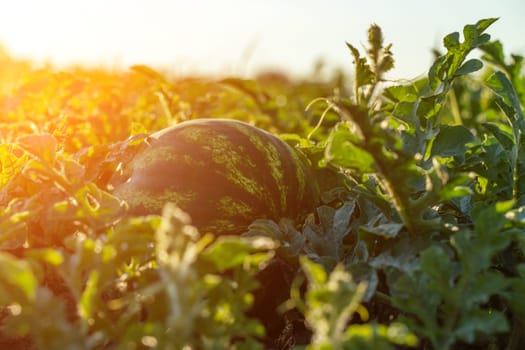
point(401, 205)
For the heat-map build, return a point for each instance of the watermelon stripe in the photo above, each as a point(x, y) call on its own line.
point(224, 179)
point(262, 171)
point(224, 173)
point(236, 170)
point(265, 145)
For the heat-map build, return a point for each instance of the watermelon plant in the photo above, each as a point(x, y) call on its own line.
point(352, 213)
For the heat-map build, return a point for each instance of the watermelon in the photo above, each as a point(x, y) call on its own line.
point(224, 173)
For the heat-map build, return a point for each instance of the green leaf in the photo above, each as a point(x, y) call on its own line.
point(291, 241)
point(402, 255)
point(514, 296)
point(10, 164)
point(401, 93)
point(97, 203)
point(87, 304)
point(404, 111)
point(342, 219)
point(486, 322)
point(450, 65)
point(452, 140)
point(38, 171)
point(491, 218)
point(48, 255)
point(364, 272)
point(502, 132)
point(378, 336)
point(502, 86)
point(18, 283)
point(343, 151)
point(363, 73)
point(494, 52)
point(451, 41)
point(399, 334)
point(314, 272)
point(43, 146)
point(429, 107)
point(474, 255)
point(484, 286)
point(483, 24)
point(473, 34)
point(411, 293)
point(228, 252)
point(331, 300)
point(477, 248)
point(469, 66)
point(443, 271)
point(436, 72)
point(451, 192)
point(324, 241)
point(387, 230)
point(14, 226)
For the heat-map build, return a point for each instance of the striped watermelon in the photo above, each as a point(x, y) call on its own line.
point(224, 173)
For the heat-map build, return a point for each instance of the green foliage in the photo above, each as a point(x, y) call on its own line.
point(431, 199)
point(449, 299)
point(329, 304)
point(445, 180)
point(165, 288)
point(419, 242)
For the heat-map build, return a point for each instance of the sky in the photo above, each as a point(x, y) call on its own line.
point(242, 37)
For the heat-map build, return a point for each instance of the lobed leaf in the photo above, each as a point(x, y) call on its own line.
point(480, 322)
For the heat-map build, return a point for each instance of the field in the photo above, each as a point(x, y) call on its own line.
point(418, 241)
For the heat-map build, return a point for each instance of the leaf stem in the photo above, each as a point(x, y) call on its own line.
point(454, 107)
